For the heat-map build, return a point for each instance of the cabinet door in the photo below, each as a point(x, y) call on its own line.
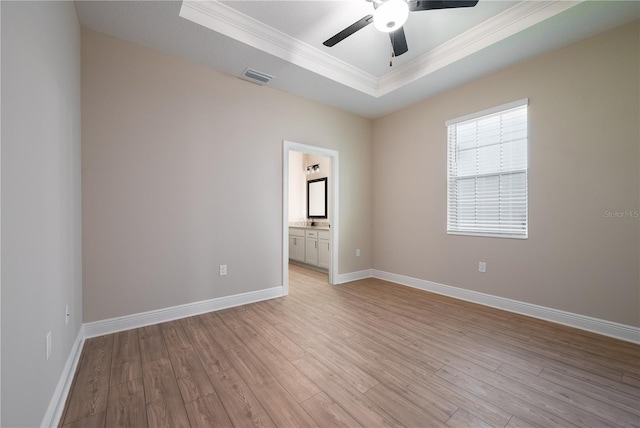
point(324, 253)
point(311, 251)
point(296, 248)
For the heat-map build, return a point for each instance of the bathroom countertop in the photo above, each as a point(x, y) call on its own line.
point(297, 226)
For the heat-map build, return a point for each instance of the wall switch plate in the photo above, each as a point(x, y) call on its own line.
point(223, 270)
point(482, 267)
point(67, 315)
point(48, 345)
point(357, 252)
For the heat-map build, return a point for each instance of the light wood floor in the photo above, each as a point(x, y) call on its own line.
point(368, 353)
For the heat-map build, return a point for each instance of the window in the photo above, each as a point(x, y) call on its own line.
point(487, 172)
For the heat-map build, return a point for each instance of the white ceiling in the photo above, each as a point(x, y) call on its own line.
point(284, 39)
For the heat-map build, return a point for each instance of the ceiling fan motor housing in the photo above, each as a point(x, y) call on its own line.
point(390, 15)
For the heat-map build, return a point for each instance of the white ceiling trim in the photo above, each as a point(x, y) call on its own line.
point(512, 21)
point(225, 20)
point(228, 21)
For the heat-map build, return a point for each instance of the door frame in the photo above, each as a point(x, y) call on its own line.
point(334, 184)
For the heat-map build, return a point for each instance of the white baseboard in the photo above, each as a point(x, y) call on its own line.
point(127, 322)
point(56, 405)
point(353, 276)
point(583, 322)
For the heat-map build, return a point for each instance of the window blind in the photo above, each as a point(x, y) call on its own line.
point(487, 172)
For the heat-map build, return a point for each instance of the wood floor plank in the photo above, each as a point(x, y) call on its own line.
point(514, 405)
point(574, 339)
point(286, 346)
point(586, 356)
point(298, 333)
point(464, 419)
point(491, 413)
point(126, 364)
point(165, 407)
point(456, 344)
point(516, 422)
point(232, 317)
point(317, 318)
point(91, 386)
point(296, 383)
point(278, 403)
point(391, 350)
point(630, 379)
point(401, 379)
point(97, 420)
point(404, 410)
point(192, 379)
point(301, 318)
point(573, 410)
point(328, 413)
point(126, 406)
point(243, 408)
point(209, 351)
point(175, 337)
point(552, 354)
point(541, 358)
point(355, 403)
point(349, 372)
point(207, 412)
point(151, 343)
point(615, 414)
point(616, 393)
point(221, 332)
point(271, 312)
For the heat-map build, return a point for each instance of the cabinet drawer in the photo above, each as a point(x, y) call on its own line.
point(311, 234)
point(323, 234)
point(296, 232)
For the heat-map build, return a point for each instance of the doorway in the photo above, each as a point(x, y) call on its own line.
point(288, 148)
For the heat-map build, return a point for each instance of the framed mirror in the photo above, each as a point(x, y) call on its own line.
point(317, 198)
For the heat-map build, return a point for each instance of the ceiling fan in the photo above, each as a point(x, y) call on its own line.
point(390, 15)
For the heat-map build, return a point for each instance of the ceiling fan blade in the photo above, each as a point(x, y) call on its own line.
point(358, 25)
point(417, 5)
point(398, 42)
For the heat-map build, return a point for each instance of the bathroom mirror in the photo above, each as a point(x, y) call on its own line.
point(317, 198)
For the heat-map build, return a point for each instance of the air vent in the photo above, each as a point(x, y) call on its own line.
point(256, 77)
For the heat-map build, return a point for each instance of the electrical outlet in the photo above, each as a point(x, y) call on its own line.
point(357, 252)
point(47, 341)
point(223, 270)
point(67, 315)
point(482, 267)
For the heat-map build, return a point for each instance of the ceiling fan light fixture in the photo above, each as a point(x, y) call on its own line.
point(391, 15)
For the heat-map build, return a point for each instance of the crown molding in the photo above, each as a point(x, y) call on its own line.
point(512, 21)
point(228, 21)
point(225, 20)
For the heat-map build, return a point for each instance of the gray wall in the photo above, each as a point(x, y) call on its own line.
point(41, 225)
point(182, 172)
point(584, 161)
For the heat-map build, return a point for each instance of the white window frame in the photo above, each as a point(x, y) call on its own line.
point(504, 226)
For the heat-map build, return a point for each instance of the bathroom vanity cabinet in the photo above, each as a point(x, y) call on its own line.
point(310, 245)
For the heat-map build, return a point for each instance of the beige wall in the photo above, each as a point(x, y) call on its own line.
point(182, 172)
point(584, 160)
point(41, 224)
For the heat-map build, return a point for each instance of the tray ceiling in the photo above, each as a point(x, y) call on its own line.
point(283, 39)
